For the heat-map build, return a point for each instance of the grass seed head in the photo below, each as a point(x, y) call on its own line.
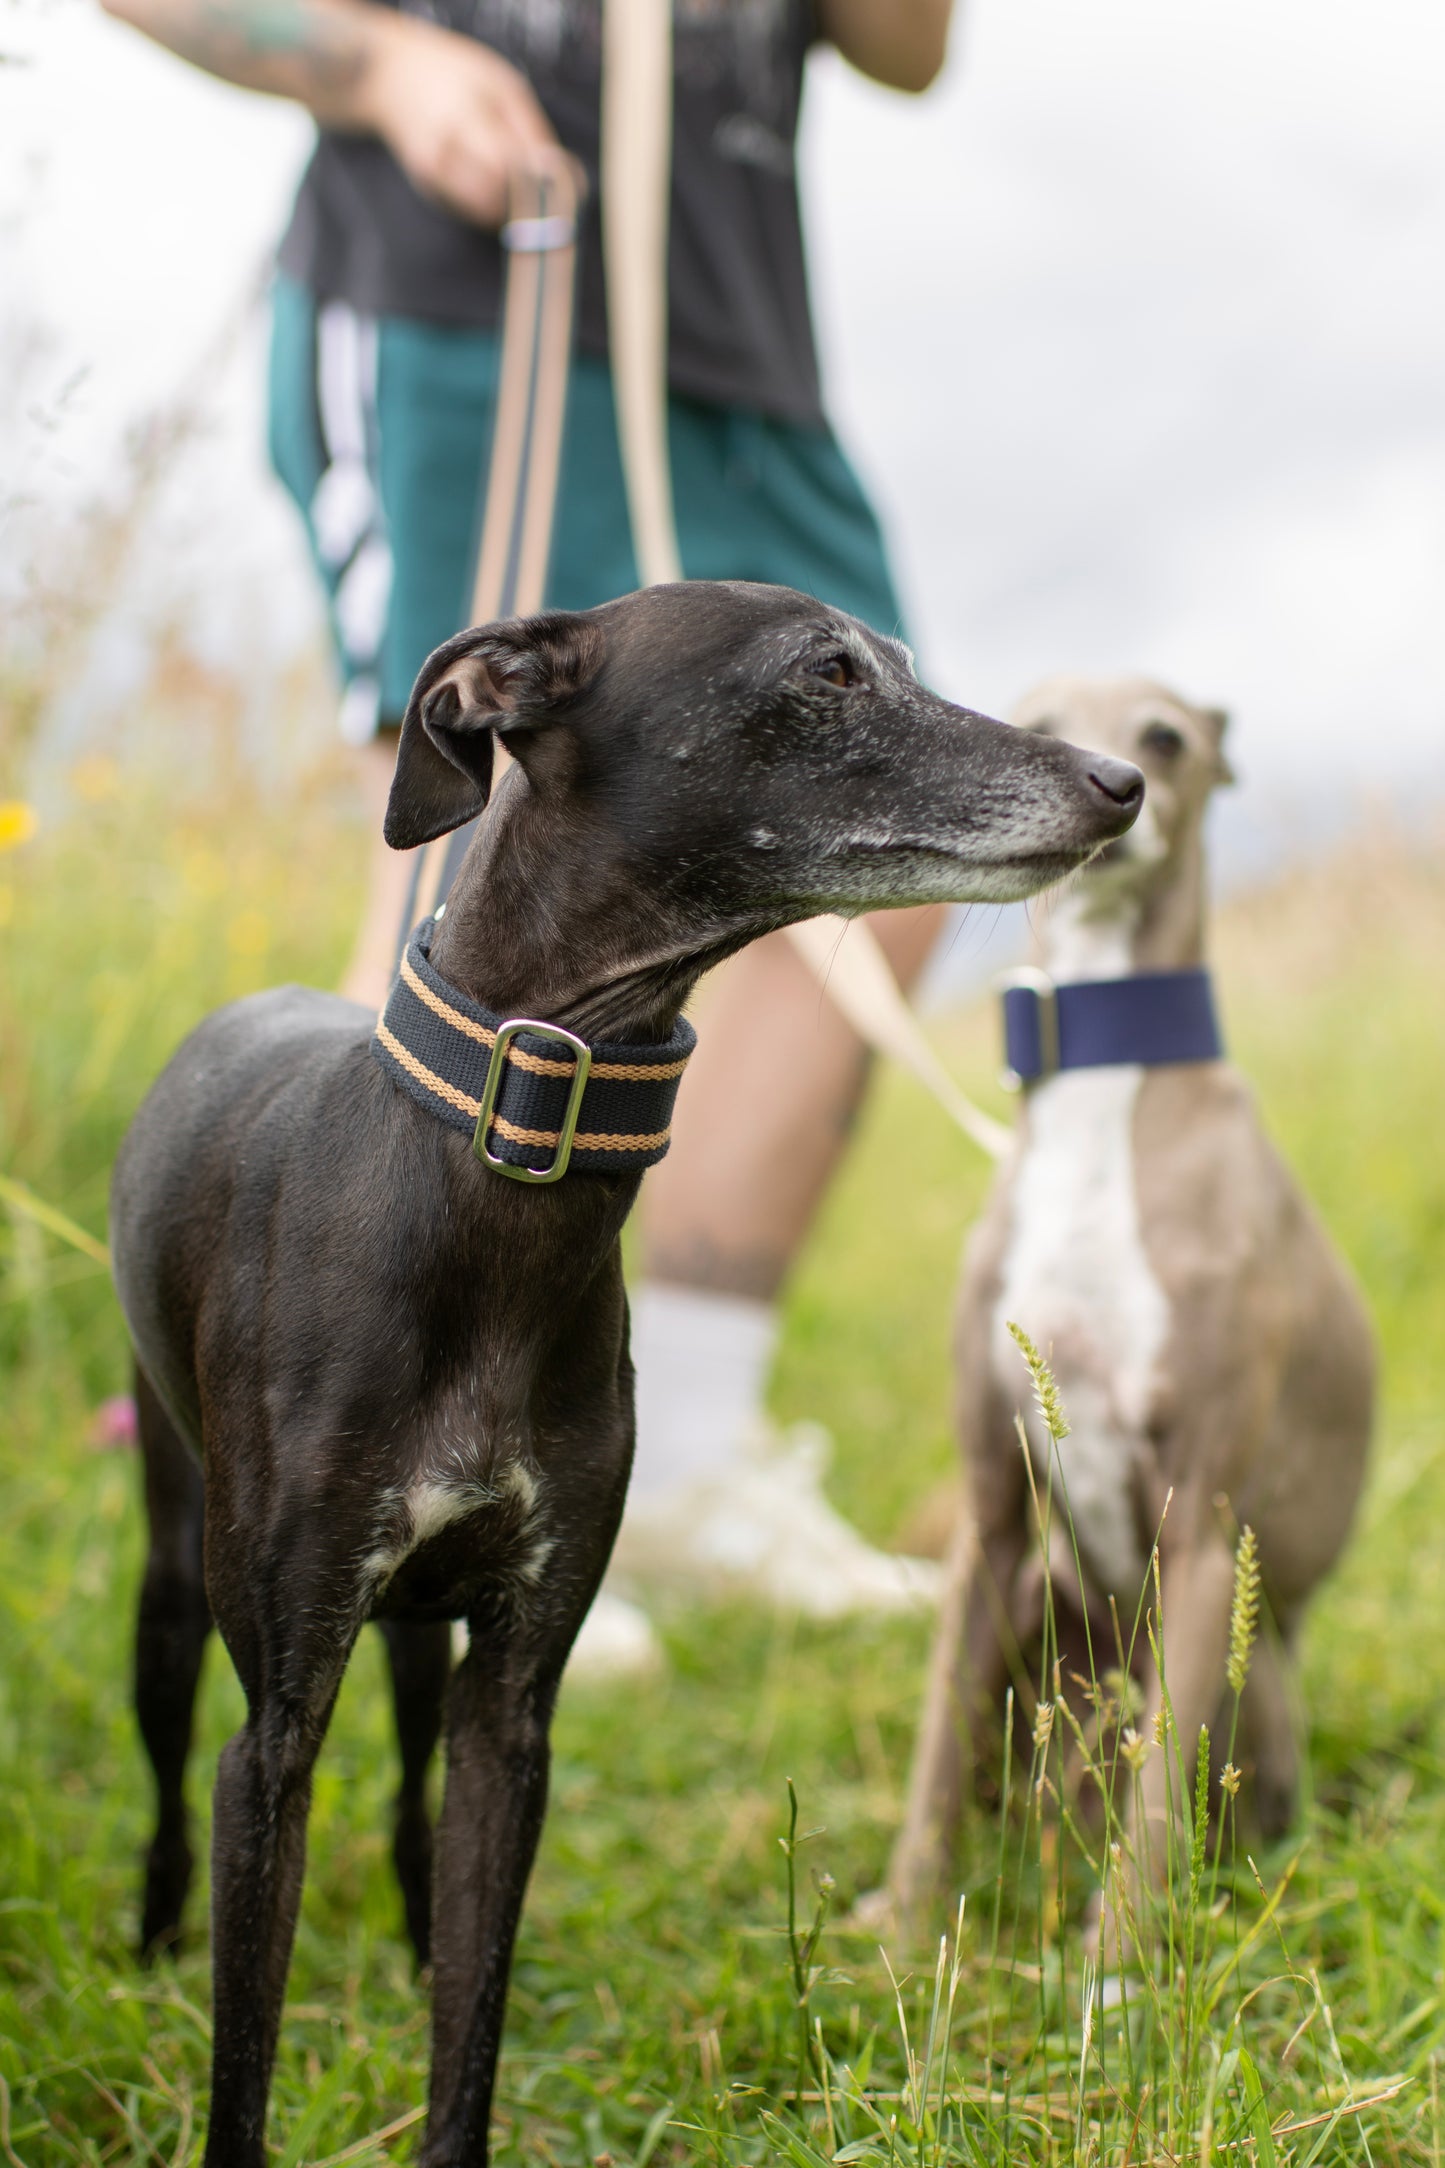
point(1244, 1616)
point(1046, 1391)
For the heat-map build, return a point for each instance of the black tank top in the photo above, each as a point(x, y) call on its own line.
point(740, 329)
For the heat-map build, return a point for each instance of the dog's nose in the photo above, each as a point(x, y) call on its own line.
point(1119, 780)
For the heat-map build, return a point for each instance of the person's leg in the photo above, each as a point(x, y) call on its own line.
point(379, 428)
point(372, 965)
point(755, 1142)
point(729, 1207)
point(435, 398)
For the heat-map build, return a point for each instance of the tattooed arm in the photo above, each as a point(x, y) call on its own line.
point(898, 42)
point(455, 115)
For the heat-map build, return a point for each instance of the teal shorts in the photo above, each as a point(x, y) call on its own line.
point(380, 430)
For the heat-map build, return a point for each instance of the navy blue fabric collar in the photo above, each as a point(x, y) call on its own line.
point(1149, 1018)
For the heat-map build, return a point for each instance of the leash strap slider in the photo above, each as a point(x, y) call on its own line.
point(536, 236)
point(496, 1069)
point(1030, 980)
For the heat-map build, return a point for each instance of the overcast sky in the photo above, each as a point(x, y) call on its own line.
point(1135, 324)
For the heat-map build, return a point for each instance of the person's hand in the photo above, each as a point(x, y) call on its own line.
point(458, 119)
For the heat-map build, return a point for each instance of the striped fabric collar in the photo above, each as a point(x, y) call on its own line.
point(535, 1099)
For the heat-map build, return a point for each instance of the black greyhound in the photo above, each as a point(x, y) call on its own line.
point(406, 1377)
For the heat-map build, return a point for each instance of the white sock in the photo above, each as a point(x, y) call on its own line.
point(702, 1367)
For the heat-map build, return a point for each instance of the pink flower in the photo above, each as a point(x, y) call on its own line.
point(113, 1425)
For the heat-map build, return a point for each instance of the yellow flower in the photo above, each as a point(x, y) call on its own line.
point(18, 823)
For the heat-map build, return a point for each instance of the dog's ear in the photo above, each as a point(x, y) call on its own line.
point(506, 678)
point(1216, 722)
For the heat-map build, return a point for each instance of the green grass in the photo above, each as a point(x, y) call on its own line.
point(655, 2005)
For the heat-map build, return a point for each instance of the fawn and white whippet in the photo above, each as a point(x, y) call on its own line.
point(1206, 1338)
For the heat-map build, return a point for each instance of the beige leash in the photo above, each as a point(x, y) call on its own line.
point(636, 184)
point(540, 239)
point(844, 955)
point(847, 959)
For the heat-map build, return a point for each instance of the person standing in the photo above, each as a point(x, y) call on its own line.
point(383, 376)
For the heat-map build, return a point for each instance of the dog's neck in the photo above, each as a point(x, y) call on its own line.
point(1106, 925)
point(533, 928)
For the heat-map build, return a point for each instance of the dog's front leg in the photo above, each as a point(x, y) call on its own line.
point(1269, 1732)
point(967, 1678)
point(289, 1624)
point(499, 1713)
point(258, 1857)
point(1196, 1598)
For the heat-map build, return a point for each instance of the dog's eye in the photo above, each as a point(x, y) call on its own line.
point(1162, 739)
point(834, 670)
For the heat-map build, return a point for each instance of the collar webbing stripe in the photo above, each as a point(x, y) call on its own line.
point(438, 1046)
point(428, 1078)
point(580, 1143)
point(443, 1009)
point(632, 1072)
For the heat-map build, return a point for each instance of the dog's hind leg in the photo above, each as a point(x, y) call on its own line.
point(171, 1628)
point(421, 1666)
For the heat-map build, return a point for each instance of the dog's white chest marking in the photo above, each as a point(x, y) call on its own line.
point(1077, 1278)
point(432, 1503)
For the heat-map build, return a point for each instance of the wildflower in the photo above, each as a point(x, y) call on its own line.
point(1046, 1391)
point(114, 1424)
point(1244, 1616)
point(18, 823)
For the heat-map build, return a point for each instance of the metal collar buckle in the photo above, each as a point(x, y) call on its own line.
point(496, 1069)
point(1038, 983)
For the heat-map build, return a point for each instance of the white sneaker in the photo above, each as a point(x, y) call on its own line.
point(764, 1529)
point(618, 1640)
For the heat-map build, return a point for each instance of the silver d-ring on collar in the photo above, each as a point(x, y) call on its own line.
point(496, 1070)
point(1029, 979)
